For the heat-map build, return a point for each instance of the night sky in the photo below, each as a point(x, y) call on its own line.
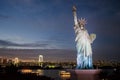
point(48, 24)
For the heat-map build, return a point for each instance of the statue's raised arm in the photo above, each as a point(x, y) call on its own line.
point(75, 16)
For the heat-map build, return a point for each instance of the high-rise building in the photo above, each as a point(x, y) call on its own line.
point(5, 60)
point(1, 60)
point(40, 58)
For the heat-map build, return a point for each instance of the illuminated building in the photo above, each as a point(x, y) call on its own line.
point(16, 60)
point(1, 60)
point(40, 58)
point(5, 60)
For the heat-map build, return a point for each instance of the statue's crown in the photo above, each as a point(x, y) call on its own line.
point(82, 21)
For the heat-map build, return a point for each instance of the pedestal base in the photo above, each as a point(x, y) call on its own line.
point(88, 74)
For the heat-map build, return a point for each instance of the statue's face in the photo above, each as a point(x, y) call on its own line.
point(81, 27)
point(82, 23)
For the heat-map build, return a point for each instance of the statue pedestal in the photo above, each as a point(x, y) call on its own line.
point(86, 74)
point(91, 74)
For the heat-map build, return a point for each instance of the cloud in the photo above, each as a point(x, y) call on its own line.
point(6, 43)
point(16, 41)
point(3, 16)
point(20, 1)
point(13, 38)
point(34, 45)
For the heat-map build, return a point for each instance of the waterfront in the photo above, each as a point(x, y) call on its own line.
point(10, 70)
point(54, 74)
point(60, 74)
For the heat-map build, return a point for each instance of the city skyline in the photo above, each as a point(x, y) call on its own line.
point(39, 24)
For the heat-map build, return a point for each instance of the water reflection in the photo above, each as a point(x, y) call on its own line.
point(38, 72)
point(26, 71)
point(64, 74)
point(56, 74)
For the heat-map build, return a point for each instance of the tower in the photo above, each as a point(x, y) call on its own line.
point(16, 61)
point(40, 58)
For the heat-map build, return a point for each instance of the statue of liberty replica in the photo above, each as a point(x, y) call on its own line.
point(83, 43)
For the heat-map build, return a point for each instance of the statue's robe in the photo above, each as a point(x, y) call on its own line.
point(84, 50)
